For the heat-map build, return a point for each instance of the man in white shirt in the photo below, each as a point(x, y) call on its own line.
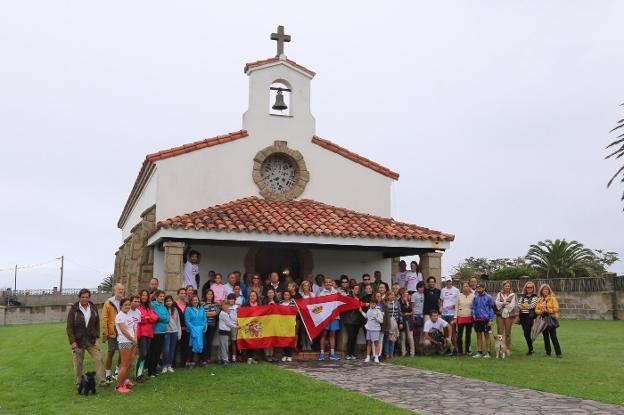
point(229, 287)
point(83, 331)
point(437, 335)
point(448, 296)
point(399, 277)
point(317, 287)
point(191, 270)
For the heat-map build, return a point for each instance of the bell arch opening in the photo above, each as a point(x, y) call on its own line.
point(279, 98)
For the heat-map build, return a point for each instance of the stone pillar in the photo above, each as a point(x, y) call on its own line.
point(394, 267)
point(431, 265)
point(174, 253)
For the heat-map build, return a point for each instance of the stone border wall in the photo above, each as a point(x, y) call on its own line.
point(36, 315)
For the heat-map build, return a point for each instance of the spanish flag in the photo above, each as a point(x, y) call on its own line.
point(266, 326)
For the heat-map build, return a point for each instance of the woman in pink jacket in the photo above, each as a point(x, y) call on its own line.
point(145, 331)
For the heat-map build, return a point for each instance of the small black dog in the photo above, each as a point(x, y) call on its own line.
point(87, 384)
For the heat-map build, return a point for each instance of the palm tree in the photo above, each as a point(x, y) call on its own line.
point(107, 284)
point(619, 152)
point(561, 259)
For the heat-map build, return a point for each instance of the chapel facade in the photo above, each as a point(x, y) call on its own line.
point(302, 205)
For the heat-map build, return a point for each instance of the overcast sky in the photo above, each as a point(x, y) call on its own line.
point(496, 113)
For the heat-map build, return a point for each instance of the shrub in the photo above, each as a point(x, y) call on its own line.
point(513, 273)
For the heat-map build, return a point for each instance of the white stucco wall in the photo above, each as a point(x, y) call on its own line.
point(222, 259)
point(333, 263)
point(145, 200)
point(222, 173)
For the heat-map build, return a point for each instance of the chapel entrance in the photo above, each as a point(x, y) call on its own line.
point(288, 262)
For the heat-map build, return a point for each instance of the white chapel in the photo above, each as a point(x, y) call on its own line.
point(302, 205)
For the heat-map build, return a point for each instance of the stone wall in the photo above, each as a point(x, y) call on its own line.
point(586, 306)
point(134, 261)
point(58, 299)
point(35, 315)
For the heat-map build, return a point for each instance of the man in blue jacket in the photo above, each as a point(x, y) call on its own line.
point(483, 316)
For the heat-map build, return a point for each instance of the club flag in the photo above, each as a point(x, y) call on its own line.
point(266, 326)
point(318, 312)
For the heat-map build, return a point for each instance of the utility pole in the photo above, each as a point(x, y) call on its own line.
point(61, 284)
point(15, 281)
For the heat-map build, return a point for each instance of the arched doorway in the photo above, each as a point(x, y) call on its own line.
point(288, 262)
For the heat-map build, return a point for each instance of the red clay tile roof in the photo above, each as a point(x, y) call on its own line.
point(252, 65)
point(197, 145)
point(355, 157)
point(299, 217)
point(148, 166)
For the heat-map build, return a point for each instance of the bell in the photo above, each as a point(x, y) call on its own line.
point(279, 105)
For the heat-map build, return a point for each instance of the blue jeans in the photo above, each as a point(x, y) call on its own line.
point(169, 349)
point(388, 346)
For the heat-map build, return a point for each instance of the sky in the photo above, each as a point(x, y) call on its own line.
point(495, 113)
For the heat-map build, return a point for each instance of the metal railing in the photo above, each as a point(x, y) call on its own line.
point(66, 291)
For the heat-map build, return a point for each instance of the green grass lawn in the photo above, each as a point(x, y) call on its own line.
point(36, 378)
point(592, 366)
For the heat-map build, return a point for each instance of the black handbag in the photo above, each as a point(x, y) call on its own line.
point(551, 322)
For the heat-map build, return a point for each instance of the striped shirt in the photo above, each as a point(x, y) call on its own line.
point(531, 300)
point(214, 308)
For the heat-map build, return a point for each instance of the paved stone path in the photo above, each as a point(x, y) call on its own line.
point(403, 386)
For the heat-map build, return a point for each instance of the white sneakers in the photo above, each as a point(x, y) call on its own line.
point(375, 359)
point(164, 370)
point(170, 369)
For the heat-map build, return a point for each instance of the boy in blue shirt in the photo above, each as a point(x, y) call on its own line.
point(483, 316)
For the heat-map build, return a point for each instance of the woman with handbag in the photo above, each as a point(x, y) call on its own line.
point(407, 314)
point(506, 305)
point(548, 307)
point(527, 303)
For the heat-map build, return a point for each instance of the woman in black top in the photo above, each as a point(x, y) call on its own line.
point(212, 310)
point(527, 303)
point(353, 322)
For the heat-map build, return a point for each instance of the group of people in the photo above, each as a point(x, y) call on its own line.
point(150, 329)
point(444, 318)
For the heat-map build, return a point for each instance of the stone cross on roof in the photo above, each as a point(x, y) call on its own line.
point(280, 37)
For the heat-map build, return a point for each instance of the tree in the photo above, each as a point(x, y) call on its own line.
point(480, 266)
point(603, 261)
point(562, 259)
point(107, 284)
point(618, 144)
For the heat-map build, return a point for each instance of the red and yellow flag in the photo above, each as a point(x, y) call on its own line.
point(266, 326)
